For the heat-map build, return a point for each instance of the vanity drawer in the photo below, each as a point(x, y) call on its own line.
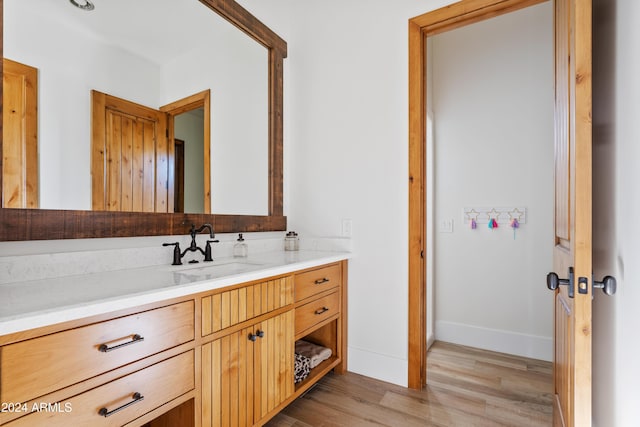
point(41, 365)
point(156, 385)
point(315, 281)
point(316, 311)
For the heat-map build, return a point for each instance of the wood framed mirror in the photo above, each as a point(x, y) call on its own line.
point(44, 224)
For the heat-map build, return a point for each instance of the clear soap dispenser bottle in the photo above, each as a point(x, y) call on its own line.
point(240, 249)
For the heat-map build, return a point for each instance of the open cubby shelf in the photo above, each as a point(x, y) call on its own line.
point(317, 373)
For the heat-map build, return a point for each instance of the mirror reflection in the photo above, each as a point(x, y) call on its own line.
point(152, 53)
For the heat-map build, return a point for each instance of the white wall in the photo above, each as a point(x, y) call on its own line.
point(616, 206)
point(237, 76)
point(64, 96)
point(346, 139)
point(493, 108)
point(72, 61)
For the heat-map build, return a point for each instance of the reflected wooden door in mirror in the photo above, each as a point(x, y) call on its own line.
point(20, 124)
point(131, 160)
point(31, 224)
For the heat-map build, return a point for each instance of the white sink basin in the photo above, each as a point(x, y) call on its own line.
point(217, 269)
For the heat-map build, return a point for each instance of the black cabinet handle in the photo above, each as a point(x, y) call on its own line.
point(106, 349)
point(321, 281)
point(321, 310)
point(137, 397)
point(254, 337)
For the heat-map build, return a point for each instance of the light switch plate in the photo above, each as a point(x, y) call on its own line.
point(347, 227)
point(445, 225)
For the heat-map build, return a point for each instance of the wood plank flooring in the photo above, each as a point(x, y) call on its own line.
point(465, 387)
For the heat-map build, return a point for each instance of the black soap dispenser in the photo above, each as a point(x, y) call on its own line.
point(240, 249)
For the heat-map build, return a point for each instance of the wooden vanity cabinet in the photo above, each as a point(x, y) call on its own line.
point(249, 338)
point(218, 358)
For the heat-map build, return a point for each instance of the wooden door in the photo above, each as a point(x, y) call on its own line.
point(573, 240)
point(132, 161)
point(19, 135)
point(247, 374)
point(228, 380)
point(275, 356)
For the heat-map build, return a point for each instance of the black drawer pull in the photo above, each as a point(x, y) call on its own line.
point(137, 397)
point(106, 349)
point(321, 281)
point(322, 310)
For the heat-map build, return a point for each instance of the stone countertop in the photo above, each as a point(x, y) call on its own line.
point(32, 304)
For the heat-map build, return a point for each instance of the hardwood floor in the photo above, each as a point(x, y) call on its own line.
point(465, 387)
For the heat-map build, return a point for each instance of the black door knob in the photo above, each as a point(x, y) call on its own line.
point(553, 282)
point(609, 285)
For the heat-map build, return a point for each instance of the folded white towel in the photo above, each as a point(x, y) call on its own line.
point(316, 353)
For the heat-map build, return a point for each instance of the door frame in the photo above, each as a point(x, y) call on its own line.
point(197, 100)
point(447, 18)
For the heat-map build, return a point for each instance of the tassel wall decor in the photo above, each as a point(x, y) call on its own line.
point(514, 224)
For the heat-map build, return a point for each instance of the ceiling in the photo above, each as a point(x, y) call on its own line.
point(158, 30)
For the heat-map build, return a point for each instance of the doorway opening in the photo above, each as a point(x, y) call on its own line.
point(189, 146)
point(430, 24)
point(189, 130)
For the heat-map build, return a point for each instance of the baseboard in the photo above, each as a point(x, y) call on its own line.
point(378, 366)
point(431, 338)
point(525, 345)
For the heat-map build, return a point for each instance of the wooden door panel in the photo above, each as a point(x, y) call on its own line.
point(149, 167)
point(277, 363)
point(126, 169)
point(113, 155)
point(562, 372)
point(164, 162)
point(20, 135)
point(573, 222)
point(131, 166)
point(244, 380)
point(561, 125)
point(137, 166)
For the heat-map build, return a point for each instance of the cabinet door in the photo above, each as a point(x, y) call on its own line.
point(274, 354)
point(247, 374)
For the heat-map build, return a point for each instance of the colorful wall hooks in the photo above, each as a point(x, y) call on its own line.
point(502, 215)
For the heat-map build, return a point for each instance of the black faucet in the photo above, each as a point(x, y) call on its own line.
point(193, 247)
point(177, 258)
